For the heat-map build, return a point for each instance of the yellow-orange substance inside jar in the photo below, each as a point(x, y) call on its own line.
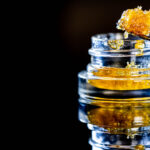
point(120, 79)
point(115, 118)
point(135, 21)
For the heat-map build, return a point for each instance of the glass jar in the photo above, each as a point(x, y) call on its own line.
point(115, 92)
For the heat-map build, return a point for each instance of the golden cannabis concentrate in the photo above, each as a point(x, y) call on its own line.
point(135, 21)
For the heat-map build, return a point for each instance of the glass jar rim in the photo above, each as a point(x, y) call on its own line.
point(115, 45)
point(116, 36)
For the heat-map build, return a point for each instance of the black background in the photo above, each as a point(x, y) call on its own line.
point(76, 21)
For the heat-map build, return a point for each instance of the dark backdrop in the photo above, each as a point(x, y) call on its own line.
point(76, 21)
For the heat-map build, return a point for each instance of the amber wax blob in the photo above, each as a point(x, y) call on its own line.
point(135, 21)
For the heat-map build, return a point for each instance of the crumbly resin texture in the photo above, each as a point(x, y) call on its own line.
point(135, 21)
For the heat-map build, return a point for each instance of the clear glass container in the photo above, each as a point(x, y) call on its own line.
point(114, 92)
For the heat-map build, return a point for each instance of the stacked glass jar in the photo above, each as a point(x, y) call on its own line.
point(115, 92)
